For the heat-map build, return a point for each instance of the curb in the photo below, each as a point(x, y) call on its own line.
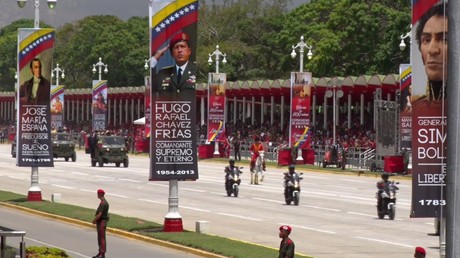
point(117, 232)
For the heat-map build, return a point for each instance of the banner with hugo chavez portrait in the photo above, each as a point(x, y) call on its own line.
point(100, 105)
point(173, 73)
point(35, 53)
point(429, 118)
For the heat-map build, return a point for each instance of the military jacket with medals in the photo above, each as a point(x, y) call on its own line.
point(166, 80)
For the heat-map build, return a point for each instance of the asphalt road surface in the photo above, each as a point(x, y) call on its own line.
point(336, 216)
point(77, 241)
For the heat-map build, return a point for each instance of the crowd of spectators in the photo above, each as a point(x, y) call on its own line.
point(357, 136)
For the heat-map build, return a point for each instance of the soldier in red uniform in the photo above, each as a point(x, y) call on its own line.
point(101, 218)
point(256, 148)
point(287, 247)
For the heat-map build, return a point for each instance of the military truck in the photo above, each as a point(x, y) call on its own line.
point(63, 146)
point(110, 149)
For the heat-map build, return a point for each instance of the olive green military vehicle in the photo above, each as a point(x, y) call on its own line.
point(63, 146)
point(110, 149)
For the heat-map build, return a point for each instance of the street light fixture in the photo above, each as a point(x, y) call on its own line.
point(402, 45)
point(51, 5)
point(302, 45)
point(217, 53)
point(58, 71)
point(100, 64)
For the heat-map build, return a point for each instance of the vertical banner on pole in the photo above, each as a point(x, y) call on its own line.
point(99, 105)
point(429, 118)
point(57, 106)
point(216, 106)
point(173, 75)
point(147, 101)
point(405, 73)
point(35, 52)
point(300, 110)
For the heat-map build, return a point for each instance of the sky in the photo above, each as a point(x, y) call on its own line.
point(72, 10)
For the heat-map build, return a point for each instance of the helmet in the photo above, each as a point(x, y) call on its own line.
point(231, 161)
point(385, 175)
point(291, 168)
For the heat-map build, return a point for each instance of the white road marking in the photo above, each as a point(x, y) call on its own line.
point(63, 186)
point(384, 241)
point(361, 214)
point(80, 174)
point(130, 180)
point(320, 208)
point(193, 190)
point(195, 209)
point(55, 246)
point(315, 229)
point(152, 201)
point(267, 200)
point(106, 177)
point(238, 216)
point(118, 195)
point(89, 191)
point(16, 177)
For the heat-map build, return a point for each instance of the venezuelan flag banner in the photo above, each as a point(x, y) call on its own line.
point(216, 106)
point(35, 53)
point(429, 106)
point(57, 106)
point(300, 110)
point(100, 105)
point(173, 73)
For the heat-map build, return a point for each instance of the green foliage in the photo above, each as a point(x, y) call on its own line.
point(45, 252)
point(211, 243)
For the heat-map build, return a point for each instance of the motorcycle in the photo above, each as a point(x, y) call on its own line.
point(232, 181)
point(386, 201)
point(292, 189)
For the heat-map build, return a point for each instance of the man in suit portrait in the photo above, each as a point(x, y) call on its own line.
point(35, 91)
point(182, 75)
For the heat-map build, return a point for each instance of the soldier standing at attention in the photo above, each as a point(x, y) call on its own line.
point(287, 247)
point(101, 218)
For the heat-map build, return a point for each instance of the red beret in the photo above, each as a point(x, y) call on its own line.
point(178, 38)
point(420, 250)
point(286, 228)
point(100, 191)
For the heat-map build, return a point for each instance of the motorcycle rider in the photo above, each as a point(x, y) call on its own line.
point(256, 148)
point(231, 169)
point(381, 186)
point(287, 177)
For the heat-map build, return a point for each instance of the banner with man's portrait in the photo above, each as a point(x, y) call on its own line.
point(100, 105)
point(57, 106)
point(300, 110)
point(173, 73)
point(405, 75)
point(429, 106)
point(216, 106)
point(35, 54)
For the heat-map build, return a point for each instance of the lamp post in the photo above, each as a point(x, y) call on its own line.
point(100, 64)
point(58, 72)
point(217, 54)
point(35, 193)
point(51, 5)
point(335, 93)
point(302, 45)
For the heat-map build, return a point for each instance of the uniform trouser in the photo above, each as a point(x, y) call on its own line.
point(237, 154)
point(101, 241)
